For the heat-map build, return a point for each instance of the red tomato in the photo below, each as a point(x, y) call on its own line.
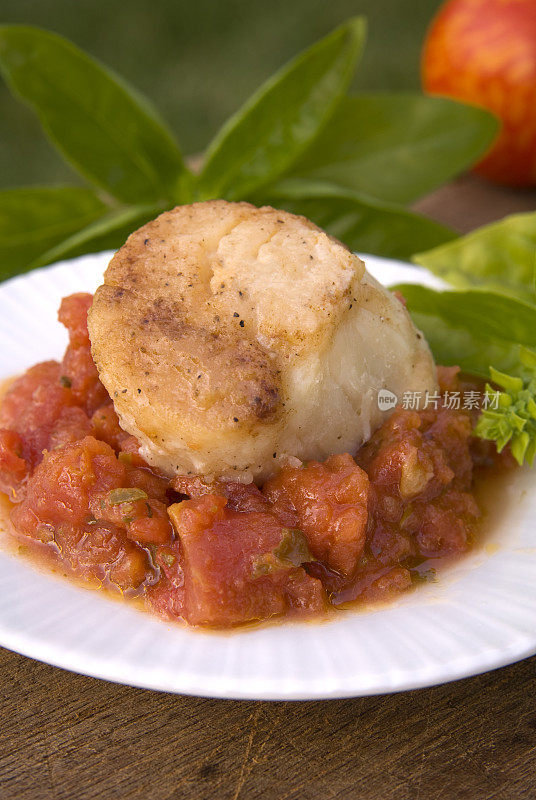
point(484, 52)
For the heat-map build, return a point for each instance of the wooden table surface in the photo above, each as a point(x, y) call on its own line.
point(64, 736)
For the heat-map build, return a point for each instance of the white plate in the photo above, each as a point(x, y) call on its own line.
point(480, 614)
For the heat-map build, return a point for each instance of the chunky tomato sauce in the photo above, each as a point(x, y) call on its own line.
point(353, 528)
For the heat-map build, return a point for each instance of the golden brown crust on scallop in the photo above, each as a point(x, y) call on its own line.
point(212, 322)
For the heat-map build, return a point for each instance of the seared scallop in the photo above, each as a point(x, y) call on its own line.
point(233, 339)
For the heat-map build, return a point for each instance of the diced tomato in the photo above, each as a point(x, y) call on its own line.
point(220, 553)
point(329, 503)
point(73, 313)
point(69, 505)
point(72, 425)
point(78, 367)
point(391, 582)
point(240, 496)
point(443, 528)
point(13, 468)
point(421, 470)
point(65, 482)
point(153, 528)
point(106, 426)
point(32, 407)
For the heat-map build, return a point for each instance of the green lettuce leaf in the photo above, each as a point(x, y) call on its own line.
point(499, 257)
point(510, 416)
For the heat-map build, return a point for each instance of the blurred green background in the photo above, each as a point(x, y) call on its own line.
point(199, 59)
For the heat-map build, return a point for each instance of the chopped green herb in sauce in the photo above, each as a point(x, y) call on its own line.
point(292, 551)
point(118, 496)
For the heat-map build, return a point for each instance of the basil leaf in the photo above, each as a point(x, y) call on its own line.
point(103, 128)
point(500, 256)
point(35, 219)
point(473, 330)
point(397, 147)
point(107, 233)
point(266, 135)
point(361, 222)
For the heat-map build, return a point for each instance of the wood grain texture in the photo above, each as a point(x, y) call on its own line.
point(470, 202)
point(65, 737)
